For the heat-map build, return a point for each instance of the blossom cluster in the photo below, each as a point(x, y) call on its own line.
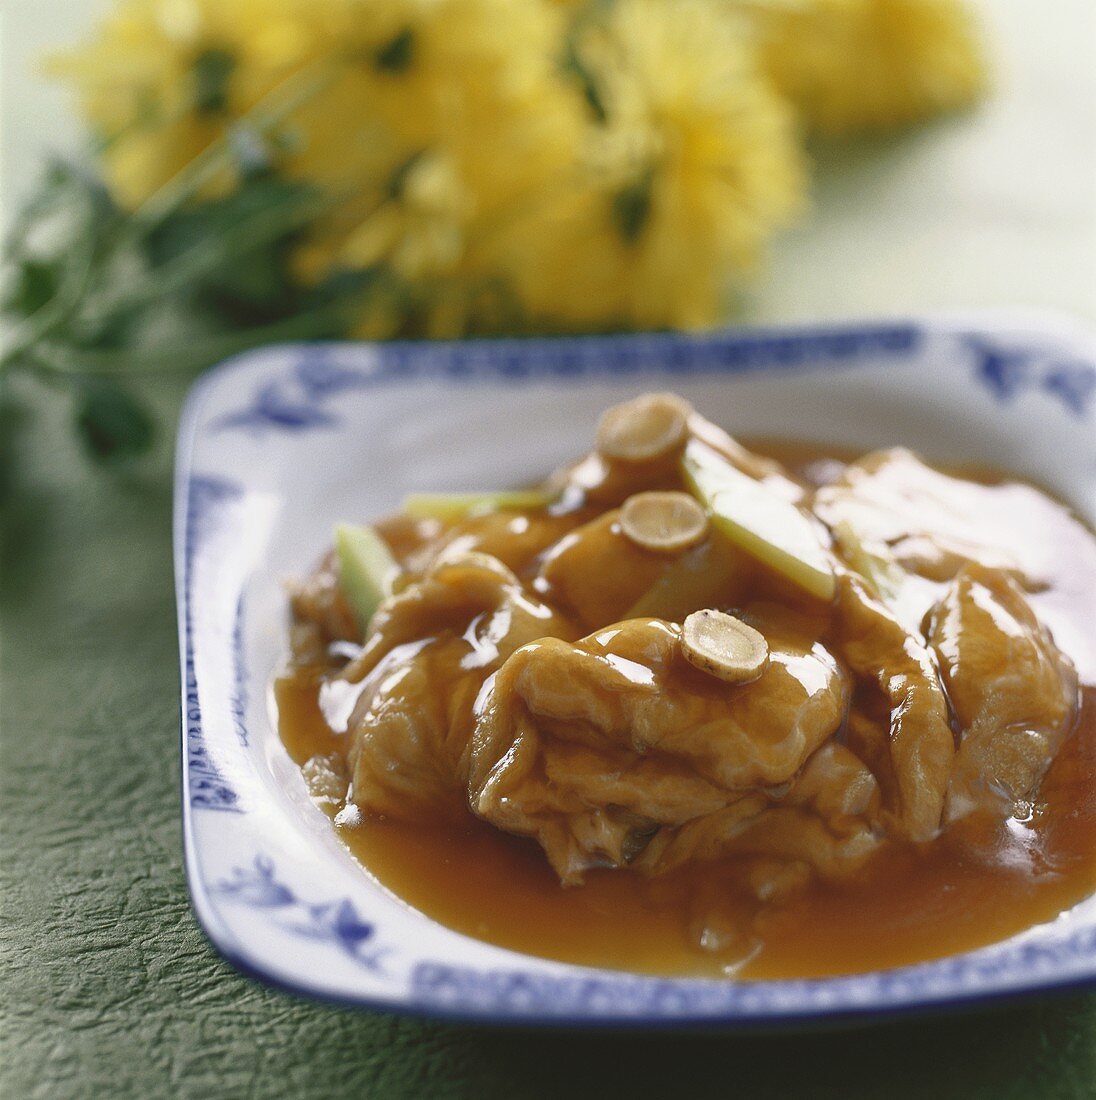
point(515, 165)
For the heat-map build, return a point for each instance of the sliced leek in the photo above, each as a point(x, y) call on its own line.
point(665, 523)
point(761, 522)
point(882, 572)
point(453, 506)
point(366, 569)
point(706, 576)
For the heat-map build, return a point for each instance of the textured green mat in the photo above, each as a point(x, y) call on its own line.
point(110, 989)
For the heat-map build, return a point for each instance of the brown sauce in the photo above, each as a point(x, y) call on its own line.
point(982, 881)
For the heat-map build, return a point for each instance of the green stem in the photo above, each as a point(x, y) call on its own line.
point(272, 109)
point(59, 309)
point(201, 259)
point(68, 362)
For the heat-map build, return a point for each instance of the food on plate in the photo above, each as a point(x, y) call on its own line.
point(694, 707)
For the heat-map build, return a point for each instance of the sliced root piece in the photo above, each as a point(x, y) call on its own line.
point(663, 522)
point(724, 646)
point(644, 428)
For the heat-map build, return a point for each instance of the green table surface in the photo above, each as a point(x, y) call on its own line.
point(108, 986)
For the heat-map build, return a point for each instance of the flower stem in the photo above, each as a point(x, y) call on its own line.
point(271, 110)
point(199, 353)
point(274, 108)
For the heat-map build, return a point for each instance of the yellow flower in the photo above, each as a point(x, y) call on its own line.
point(436, 121)
point(419, 231)
point(473, 186)
point(869, 64)
point(468, 119)
point(164, 78)
point(693, 168)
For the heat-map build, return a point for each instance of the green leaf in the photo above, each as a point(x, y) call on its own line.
point(251, 282)
point(211, 72)
point(69, 216)
point(94, 293)
point(14, 419)
point(112, 423)
point(632, 208)
point(33, 285)
point(396, 55)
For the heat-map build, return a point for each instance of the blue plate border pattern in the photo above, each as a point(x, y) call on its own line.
point(518, 993)
point(208, 788)
point(300, 400)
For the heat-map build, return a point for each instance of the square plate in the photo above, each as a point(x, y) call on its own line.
point(277, 445)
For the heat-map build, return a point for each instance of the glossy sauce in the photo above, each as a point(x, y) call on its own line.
point(981, 881)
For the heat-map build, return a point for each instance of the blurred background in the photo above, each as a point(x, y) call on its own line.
point(184, 178)
point(995, 207)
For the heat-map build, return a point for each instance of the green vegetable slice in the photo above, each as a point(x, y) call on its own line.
point(764, 524)
point(451, 506)
point(366, 569)
point(702, 577)
point(883, 573)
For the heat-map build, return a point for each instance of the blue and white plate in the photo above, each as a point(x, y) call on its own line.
point(278, 444)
